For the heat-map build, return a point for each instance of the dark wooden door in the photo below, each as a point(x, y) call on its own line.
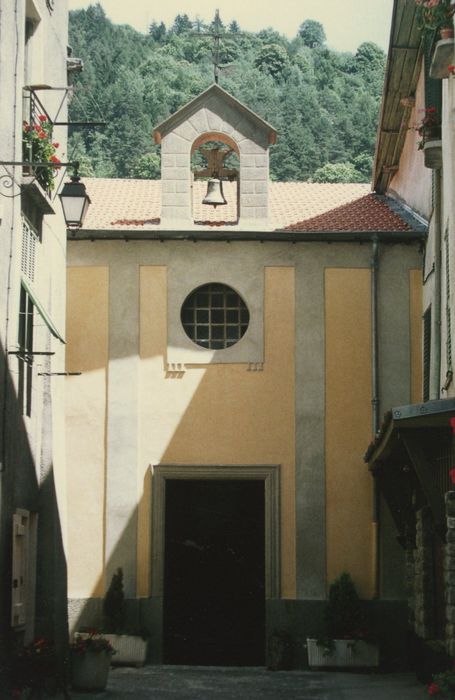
point(214, 592)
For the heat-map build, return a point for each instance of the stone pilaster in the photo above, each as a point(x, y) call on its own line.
point(423, 580)
point(410, 584)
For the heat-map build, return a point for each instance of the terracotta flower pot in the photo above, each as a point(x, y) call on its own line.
point(446, 32)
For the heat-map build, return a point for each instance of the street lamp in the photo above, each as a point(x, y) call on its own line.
point(75, 201)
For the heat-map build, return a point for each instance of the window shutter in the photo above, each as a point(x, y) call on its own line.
point(426, 353)
point(433, 87)
point(28, 252)
point(21, 523)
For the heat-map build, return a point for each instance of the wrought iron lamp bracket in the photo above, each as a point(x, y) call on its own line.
point(8, 180)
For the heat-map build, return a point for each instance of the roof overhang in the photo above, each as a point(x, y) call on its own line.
point(404, 449)
point(220, 234)
point(431, 414)
point(401, 77)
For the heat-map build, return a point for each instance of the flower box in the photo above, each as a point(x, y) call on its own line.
point(130, 650)
point(347, 653)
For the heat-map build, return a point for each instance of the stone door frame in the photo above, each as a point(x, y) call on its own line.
point(269, 474)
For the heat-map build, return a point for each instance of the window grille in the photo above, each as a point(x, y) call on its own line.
point(214, 316)
point(29, 247)
point(426, 353)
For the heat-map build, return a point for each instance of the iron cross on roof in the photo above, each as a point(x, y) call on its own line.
point(217, 34)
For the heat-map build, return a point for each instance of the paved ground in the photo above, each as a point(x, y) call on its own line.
point(202, 683)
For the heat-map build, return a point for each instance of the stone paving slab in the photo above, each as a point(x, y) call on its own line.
point(204, 683)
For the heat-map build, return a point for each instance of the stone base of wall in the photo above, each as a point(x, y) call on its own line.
point(291, 620)
point(424, 575)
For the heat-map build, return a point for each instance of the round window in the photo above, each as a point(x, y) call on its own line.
point(214, 316)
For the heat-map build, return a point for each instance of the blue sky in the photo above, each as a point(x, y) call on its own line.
point(347, 24)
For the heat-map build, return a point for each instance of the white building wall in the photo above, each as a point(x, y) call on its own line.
point(32, 449)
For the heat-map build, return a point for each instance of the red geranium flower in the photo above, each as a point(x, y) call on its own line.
point(42, 118)
point(433, 689)
point(55, 144)
point(452, 475)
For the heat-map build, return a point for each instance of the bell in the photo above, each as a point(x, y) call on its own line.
point(214, 194)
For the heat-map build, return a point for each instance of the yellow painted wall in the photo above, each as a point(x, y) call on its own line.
point(348, 426)
point(87, 339)
point(415, 311)
point(219, 414)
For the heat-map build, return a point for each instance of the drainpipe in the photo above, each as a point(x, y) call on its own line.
point(436, 330)
point(375, 407)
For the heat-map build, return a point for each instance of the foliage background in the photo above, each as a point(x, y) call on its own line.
point(323, 103)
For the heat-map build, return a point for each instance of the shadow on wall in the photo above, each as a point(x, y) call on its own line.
point(22, 488)
point(179, 422)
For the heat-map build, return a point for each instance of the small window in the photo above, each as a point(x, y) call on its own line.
point(25, 355)
point(214, 316)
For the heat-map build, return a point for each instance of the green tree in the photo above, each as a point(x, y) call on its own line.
point(157, 31)
point(217, 23)
point(364, 164)
point(146, 167)
point(182, 24)
point(272, 59)
point(324, 104)
point(234, 27)
point(337, 172)
point(369, 56)
point(312, 33)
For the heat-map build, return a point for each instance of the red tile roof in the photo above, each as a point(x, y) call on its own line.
point(293, 206)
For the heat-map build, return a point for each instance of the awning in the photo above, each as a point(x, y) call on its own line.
point(41, 310)
point(411, 458)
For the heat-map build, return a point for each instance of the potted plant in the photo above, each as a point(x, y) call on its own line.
point(435, 15)
point(429, 131)
point(91, 655)
point(38, 147)
point(346, 641)
point(443, 684)
point(131, 648)
point(37, 670)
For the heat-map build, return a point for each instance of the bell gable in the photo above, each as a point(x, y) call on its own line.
point(214, 115)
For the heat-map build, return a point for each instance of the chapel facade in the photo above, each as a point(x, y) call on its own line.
point(234, 363)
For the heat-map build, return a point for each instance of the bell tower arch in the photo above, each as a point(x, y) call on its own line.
point(214, 115)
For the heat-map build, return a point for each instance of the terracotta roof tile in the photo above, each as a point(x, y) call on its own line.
point(293, 206)
point(368, 213)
